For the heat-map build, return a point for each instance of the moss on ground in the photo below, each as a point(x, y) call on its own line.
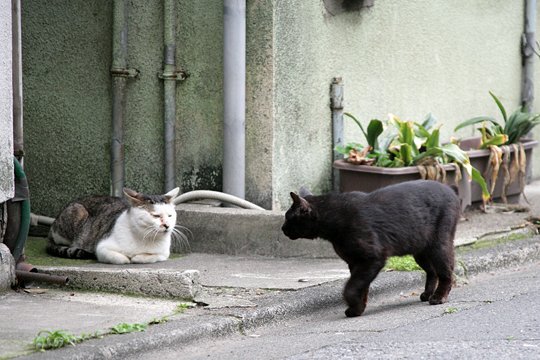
point(36, 255)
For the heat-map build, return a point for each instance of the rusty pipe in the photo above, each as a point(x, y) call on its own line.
point(28, 276)
point(26, 272)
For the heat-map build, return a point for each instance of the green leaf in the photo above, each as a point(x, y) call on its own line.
point(475, 120)
point(375, 128)
point(429, 121)
point(357, 123)
point(406, 156)
point(433, 140)
point(477, 177)
point(499, 139)
point(500, 105)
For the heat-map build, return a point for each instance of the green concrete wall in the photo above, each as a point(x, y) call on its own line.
point(67, 98)
point(403, 57)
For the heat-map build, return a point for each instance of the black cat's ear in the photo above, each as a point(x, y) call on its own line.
point(304, 192)
point(295, 198)
point(299, 201)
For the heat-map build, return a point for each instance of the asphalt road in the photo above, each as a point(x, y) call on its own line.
point(494, 315)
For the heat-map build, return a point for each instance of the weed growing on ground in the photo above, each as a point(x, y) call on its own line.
point(125, 328)
point(46, 340)
point(451, 310)
point(401, 263)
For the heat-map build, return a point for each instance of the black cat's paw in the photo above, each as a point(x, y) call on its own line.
point(350, 312)
point(424, 296)
point(436, 300)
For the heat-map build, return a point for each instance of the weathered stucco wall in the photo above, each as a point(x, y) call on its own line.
point(6, 104)
point(67, 98)
point(403, 57)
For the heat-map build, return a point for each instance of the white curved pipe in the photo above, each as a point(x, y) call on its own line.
point(186, 197)
point(215, 195)
point(40, 219)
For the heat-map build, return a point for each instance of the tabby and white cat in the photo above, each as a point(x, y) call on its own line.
point(136, 229)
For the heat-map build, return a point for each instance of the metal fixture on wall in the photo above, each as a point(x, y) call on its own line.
point(336, 105)
point(18, 140)
point(170, 75)
point(234, 94)
point(528, 43)
point(120, 74)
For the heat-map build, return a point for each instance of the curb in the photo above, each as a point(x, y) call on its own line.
point(184, 285)
point(286, 305)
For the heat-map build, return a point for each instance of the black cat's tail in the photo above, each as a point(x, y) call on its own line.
point(68, 251)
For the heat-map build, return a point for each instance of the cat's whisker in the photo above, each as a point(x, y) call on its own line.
point(180, 238)
point(184, 231)
point(147, 232)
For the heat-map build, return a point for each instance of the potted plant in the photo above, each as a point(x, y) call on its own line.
point(502, 153)
point(398, 151)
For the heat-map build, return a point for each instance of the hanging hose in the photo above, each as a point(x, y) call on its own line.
point(21, 193)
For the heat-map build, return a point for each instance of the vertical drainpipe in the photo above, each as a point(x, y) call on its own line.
point(119, 61)
point(18, 139)
point(528, 44)
point(336, 105)
point(169, 77)
point(234, 94)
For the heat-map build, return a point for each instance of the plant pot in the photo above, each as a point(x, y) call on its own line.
point(480, 160)
point(367, 178)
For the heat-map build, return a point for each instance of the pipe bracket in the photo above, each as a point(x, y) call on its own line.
point(125, 73)
point(178, 75)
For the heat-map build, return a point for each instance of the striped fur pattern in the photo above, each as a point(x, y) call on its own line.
point(135, 229)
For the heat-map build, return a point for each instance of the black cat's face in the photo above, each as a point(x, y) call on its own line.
point(300, 220)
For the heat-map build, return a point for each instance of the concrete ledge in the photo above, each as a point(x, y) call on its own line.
point(150, 282)
point(235, 231)
point(7, 269)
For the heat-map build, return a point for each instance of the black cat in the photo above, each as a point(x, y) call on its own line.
point(415, 217)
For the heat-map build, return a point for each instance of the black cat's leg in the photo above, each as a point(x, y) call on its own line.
point(431, 276)
point(443, 261)
point(357, 288)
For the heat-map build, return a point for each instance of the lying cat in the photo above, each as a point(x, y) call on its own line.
point(137, 229)
point(415, 217)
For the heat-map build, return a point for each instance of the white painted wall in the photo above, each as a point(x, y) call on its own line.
point(6, 104)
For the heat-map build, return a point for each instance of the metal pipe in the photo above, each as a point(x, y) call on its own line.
point(21, 195)
point(18, 139)
point(528, 43)
point(27, 276)
point(119, 61)
point(234, 88)
point(169, 92)
point(336, 105)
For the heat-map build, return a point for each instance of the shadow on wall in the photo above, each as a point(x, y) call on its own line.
point(335, 7)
